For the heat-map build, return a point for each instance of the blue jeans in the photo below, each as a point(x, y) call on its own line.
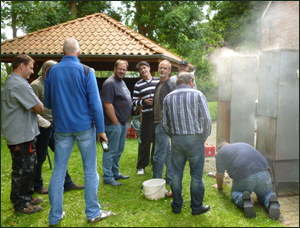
point(64, 143)
point(45, 139)
point(116, 135)
point(162, 150)
point(260, 183)
point(191, 148)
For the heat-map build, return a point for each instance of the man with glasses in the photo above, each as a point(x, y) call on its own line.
point(117, 104)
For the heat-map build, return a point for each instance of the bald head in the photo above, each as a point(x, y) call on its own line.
point(71, 47)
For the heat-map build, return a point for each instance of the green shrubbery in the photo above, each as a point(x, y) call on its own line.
point(212, 110)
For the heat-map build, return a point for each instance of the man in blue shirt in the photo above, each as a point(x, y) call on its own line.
point(250, 171)
point(72, 93)
point(186, 119)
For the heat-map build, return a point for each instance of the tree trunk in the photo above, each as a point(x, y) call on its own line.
point(138, 6)
point(13, 20)
point(73, 8)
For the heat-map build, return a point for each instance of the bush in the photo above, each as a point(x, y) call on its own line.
point(212, 110)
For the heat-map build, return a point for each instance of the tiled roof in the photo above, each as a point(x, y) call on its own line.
point(97, 34)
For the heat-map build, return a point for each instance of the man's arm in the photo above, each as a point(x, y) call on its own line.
point(110, 111)
point(38, 109)
point(219, 180)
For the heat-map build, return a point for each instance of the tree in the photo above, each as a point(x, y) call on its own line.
point(31, 16)
point(235, 21)
point(169, 23)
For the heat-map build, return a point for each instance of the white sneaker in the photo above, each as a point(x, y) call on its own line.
point(103, 215)
point(141, 171)
point(43, 122)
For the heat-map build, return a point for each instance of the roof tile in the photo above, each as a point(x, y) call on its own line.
point(96, 34)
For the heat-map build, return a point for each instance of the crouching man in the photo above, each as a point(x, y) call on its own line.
point(250, 173)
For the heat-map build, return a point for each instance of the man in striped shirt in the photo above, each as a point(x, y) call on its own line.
point(145, 89)
point(187, 121)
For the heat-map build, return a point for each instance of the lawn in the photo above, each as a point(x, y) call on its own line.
point(130, 206)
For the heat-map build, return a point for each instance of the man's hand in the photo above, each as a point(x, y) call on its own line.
point(216, 186)
point(148, 101)
point(102, 136)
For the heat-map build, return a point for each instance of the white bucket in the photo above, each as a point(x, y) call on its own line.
point(154, 188)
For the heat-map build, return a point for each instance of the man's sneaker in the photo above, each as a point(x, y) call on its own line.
point(248, 207)
point(274, 212)
point(43, 122)
point(103, 215)
point(36, 201)
point(141, 171)
point(62, 216)
point(30, 209)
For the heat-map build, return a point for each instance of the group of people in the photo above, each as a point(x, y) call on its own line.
point(175, 119)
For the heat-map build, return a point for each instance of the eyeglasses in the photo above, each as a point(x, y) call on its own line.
point(120, 69)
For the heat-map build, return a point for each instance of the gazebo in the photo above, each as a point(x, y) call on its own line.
point(102, 40)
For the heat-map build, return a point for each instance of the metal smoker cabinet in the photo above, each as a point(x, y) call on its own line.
point(236, 99)
point(278, 113)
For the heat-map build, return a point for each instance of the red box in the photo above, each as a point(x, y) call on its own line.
point(210, 150)
point(133, 133)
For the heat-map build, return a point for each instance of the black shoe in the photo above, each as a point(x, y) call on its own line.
point(274, 212)
point(74, 187)
point(248, 207)
point(176, 212)
point(121, 177)
point(205, 208)
point(114, 183)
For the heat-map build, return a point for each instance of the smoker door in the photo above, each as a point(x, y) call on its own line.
point(243, 96)
point(287, 143)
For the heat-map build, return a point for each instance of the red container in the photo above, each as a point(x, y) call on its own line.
point(210, 150)
point(133, 133)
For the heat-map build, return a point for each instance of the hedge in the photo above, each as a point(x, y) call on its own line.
point(212, 110)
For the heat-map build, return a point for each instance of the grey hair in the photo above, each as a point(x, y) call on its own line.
point(48, 64)
point(166, 61)
point(71, 46)
point(184, 78)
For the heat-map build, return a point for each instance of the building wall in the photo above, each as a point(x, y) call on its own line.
point(280, 28)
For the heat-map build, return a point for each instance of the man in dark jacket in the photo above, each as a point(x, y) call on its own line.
point(162, 152)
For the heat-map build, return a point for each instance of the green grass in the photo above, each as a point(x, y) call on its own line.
point(213, 110)
point(128, 202)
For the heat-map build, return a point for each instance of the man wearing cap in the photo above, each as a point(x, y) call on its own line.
point(183, 67)
point(145, 89)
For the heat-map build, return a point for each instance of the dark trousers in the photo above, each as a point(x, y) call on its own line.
point(22, 177)
point(147, 137)
point(45, 139)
